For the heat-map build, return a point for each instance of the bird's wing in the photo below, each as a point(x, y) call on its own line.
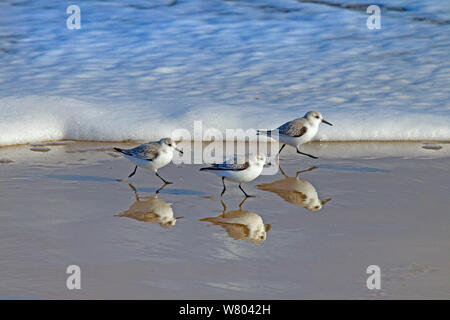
point(232, 164)
point(146, 151)
point(229, 165)
point(237, 163)
point(295, 128)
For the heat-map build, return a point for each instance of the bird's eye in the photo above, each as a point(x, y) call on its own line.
point(170, 145)
point(317, 117)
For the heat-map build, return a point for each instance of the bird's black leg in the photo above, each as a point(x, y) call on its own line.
point(165, 181)
point(281, 149)
point(224, 188)
point(132, 174)
point(306, 154)
point(248, 196)
point(270, 163)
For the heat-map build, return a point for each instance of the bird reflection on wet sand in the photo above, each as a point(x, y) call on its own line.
point(296, 191)
point(151, 209)
point(241, 224)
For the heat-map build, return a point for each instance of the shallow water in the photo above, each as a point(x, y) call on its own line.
point(59, 208)
point(138, 71)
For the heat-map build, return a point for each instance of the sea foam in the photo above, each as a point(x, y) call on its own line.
point(34, 119)
point(141, 71)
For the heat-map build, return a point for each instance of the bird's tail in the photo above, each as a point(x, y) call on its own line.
point(119, 150)
point(207, 168)
point(265, 132)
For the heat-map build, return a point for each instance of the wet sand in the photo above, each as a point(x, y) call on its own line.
point(302, 237)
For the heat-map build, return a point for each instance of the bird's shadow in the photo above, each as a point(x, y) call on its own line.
point(70, 177)
point(172, 191)
point(351, 168)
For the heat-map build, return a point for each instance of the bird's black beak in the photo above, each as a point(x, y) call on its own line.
point(180, 151)
point(325, 121)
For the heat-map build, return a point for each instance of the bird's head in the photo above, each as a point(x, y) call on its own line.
point(258, 159)
point(169, 142)
point(315, 117)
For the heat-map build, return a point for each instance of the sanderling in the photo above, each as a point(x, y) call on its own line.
point(298, 131)
point(241, 224)
point(151, 155)
point(296, 191)
point(239, 172)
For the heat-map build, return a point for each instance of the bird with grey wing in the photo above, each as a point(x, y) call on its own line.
point(298, 131)
point(151, 155)
point(237, 172)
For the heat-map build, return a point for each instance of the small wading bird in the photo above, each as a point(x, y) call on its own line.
point(239, 172)
point(151, 155)
point(298, 131)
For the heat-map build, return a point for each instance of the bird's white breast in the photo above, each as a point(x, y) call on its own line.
point(239, 176)
point(164, 157)
point(296, 141)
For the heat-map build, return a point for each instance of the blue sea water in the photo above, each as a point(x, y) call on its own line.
point(140, 69)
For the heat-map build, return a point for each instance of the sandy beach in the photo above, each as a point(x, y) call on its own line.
point(302, 237)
